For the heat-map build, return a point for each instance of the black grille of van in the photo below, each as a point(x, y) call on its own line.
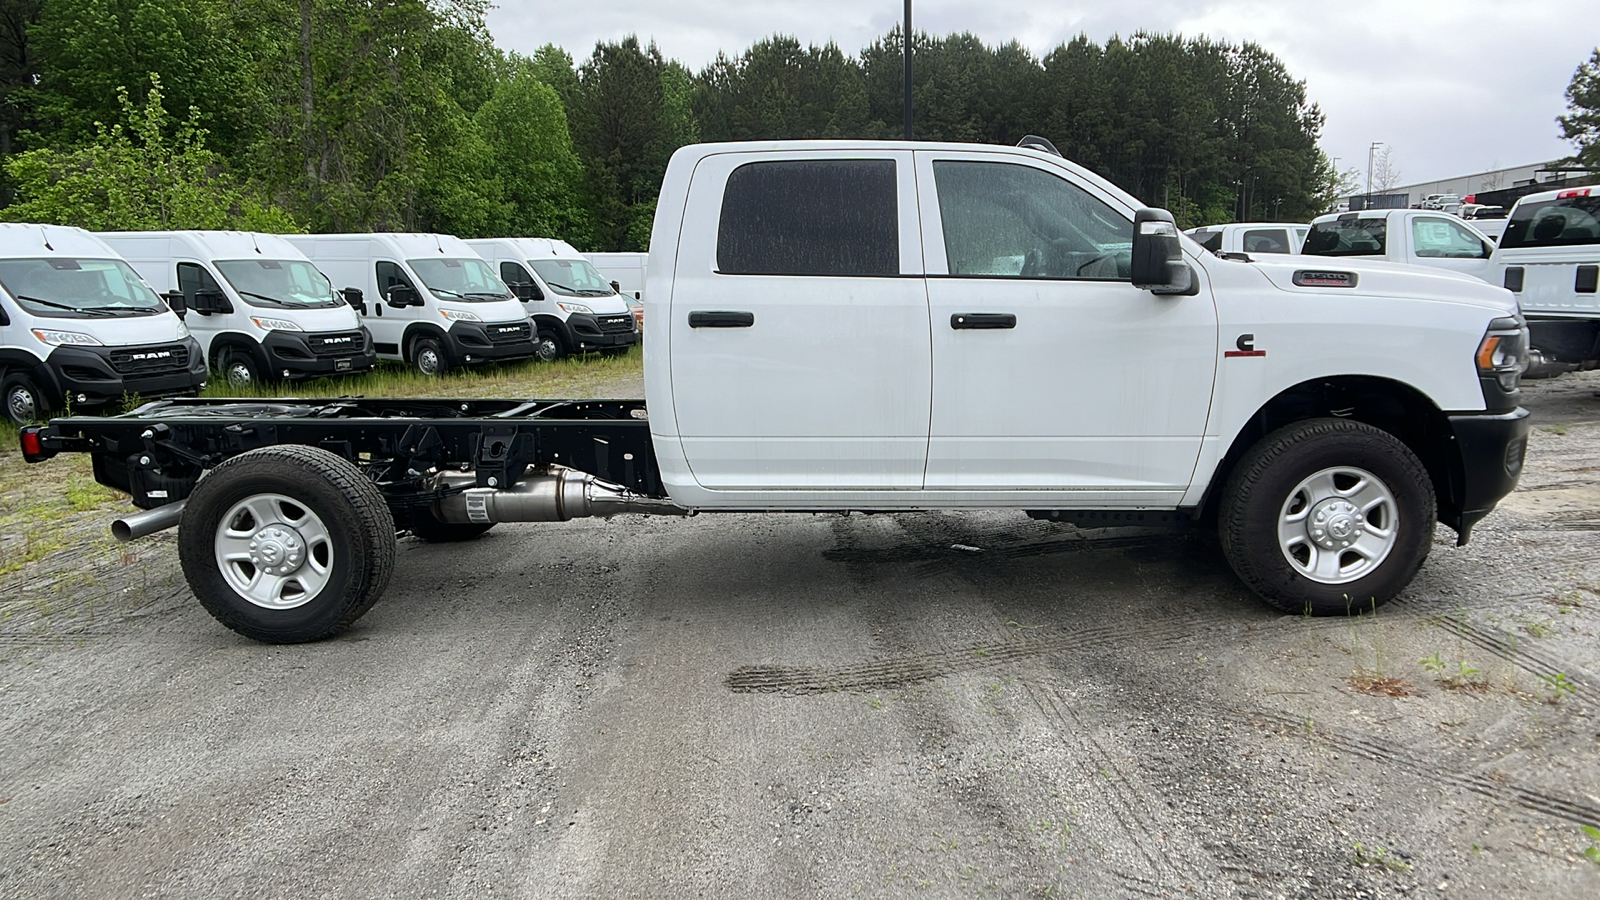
point(150, 360)
point(616, 324)
point(507, 333)
point(343, 343)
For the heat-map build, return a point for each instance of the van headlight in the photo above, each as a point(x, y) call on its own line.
point(1503, 352)
point(66, 338)
point(267, 323)
point(183, 330)
point(459, 315)
point(574, 307)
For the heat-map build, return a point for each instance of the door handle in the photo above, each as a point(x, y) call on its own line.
point(721, 319)
point(983, 320)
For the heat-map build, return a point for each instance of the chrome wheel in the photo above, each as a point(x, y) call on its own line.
point(21, 405)
point(273, 551)
point(1338, 525)
point(239, 372)
point(546, 348)
point(428, 361)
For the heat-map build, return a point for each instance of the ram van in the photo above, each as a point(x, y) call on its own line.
point(260, 310)
point(573, 308)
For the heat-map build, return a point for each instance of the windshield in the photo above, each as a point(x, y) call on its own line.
point(460, 279)
point(279, 283)
point(1554, 223)
point(1346, 237)
point(573, 277)
point(78, 288)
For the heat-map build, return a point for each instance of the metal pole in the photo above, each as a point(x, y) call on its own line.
point(907, 89)
point(1371, 150)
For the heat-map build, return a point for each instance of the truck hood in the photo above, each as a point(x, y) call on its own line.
point(1384, 279)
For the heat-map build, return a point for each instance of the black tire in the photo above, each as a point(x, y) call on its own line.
point(21, 400)
point(238, 368)
point(428, 356)
point(547, 346)
point(426, 526)
point(1268, 490)
point(349, 531)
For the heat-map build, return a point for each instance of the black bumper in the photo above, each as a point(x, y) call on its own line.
point(477, 342)
point(317, 354)
point(79, 377)
point(1490, 448)
point(585, 333)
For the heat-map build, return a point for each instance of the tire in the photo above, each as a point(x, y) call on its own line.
point(1377, 504)
point(426, 526)
point(299, 509)
point(428, 357)
point(239, 368)
point(547, 346)
point(21, 400)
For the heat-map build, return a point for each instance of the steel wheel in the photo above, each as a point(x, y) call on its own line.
point(274, 551)
point(22, 402)
point(1338, 525)
point(428, 358)
point(547, 347)
point(239, 371)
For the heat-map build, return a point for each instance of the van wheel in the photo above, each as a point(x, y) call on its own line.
point(22, 400)
point(427, 356)
point(1327, 517)
point(286, 544)
point(547, 346)
point(426, 526)
point(239, 368)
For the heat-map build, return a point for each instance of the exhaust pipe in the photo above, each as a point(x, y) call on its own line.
point(150, 521)
point(1543, 365)
point(545, 494)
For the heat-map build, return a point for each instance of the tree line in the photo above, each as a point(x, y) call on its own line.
point(402, 115)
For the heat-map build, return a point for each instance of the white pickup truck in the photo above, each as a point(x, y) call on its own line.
point(894, 326)
point(1418, 237)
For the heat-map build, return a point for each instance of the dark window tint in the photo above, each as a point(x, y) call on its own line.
point(1266, 240)
point(1346, 237)
point(824, 217)
point(389, 275)
point(511, 273)
point(1211, 240)
point(192, 278)
point(1554, 223)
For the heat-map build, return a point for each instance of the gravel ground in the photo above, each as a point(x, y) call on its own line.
point(786, 706)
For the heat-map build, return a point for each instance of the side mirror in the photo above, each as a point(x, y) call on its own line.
point(4, 318)
point(176, 302)
point(211, 302)
point(403, 295)
point(355, 298)
point(616, 287)
point(523, 290)
point(1158, 264)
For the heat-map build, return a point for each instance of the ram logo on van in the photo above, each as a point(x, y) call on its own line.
point(159, 354)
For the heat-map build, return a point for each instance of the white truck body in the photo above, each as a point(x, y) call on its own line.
point(1251, 237)
point(281, 319)
point(573, 307)
point(1415, 237)
point(1549, 256)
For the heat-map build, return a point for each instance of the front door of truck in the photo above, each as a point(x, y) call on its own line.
point(1051, 371)
point(799, 324)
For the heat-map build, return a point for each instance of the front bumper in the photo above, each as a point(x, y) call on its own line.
point(80, 377)
point(308, 355)
point(585, 333)
point(1490, 448)
point(476, 342)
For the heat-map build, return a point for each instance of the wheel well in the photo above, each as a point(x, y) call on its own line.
point(1391, 406)
point(223, 343)
point(416, 330)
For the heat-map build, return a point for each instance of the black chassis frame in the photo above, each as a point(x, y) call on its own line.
point(157, 452)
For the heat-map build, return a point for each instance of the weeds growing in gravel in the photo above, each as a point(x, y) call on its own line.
point(1464, 678)
point(1592, 852)
point(1557, 684)
point(1378, 855)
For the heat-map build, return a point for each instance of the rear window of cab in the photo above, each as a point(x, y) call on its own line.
point(1346, 237)
point(1562, 222)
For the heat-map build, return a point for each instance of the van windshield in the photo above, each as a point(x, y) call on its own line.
point(572, 277)
point(78, 288)
point(1346, 237)
point(279, 283)
point(1562, 222)
point(460, 279)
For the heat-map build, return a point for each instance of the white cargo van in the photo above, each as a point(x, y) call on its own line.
point(432, 302)
point(1251, 237)
point(1415, 236)
point(573, 308)
point(1549, 256)
point(260, 310)
point(79, 328)
point(625, 271)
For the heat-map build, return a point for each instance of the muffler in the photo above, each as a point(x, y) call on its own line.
point(544, 494)
point(150, 521)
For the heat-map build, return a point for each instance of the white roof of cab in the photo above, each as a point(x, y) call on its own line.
point(23, 241)
point(1590, 190)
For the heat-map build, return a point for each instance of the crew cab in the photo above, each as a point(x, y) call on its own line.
point(1414, 236)
point(883, 326)
point(1549, 257)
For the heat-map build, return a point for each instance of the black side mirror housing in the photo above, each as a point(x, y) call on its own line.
point(616, 287)
point(211, 302)
point(355, 298)
point(176, 303)
point(403, 295)
point(6, 319)
point(523, 290)
point(1158, 263)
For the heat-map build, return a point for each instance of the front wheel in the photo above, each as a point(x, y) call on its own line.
point(547, 347)
point(22, 400)
point(239, 368)
point(286, 544)
point(1327, 517)
point(427, 356)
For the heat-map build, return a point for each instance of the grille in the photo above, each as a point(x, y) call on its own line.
point(150, 360)
point(507, 333)
point(343, 343)
point(616, 324)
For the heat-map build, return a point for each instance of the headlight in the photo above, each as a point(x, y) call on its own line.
point(574, 307)
point(458, 315)
point(64, 338)
point(183, 330)
point(267, 323)
point(1503, 352)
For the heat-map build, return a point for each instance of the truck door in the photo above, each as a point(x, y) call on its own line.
point(1445, 243)
point(799, 323)
point(1051, 371)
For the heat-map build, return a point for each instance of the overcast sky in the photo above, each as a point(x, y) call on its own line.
point(1454, 87)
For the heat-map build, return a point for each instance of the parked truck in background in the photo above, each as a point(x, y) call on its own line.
point(1549, 257)
point(888, 326)
point(1251, 237)
point(1413, 236)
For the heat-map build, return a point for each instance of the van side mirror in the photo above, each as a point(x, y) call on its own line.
point(403, 295)
point(1158, 264)
point(211, 302)
point(4, 318)
point(522, 290)
point(616, 287)
point(176, 302)
point(355, 298)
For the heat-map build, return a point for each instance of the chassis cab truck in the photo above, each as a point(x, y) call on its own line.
point(573, 308)
point(80, 330)
point(260, 310)
point(845, 326)
point(432, 302)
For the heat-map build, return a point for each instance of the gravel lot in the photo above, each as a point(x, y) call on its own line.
point(788, 706)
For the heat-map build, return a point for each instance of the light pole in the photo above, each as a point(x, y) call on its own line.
point(907, 36)
point(1370, 151)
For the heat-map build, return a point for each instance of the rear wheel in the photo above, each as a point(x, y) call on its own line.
point(22, 400)
point(286, 544)
point(1327, 517)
